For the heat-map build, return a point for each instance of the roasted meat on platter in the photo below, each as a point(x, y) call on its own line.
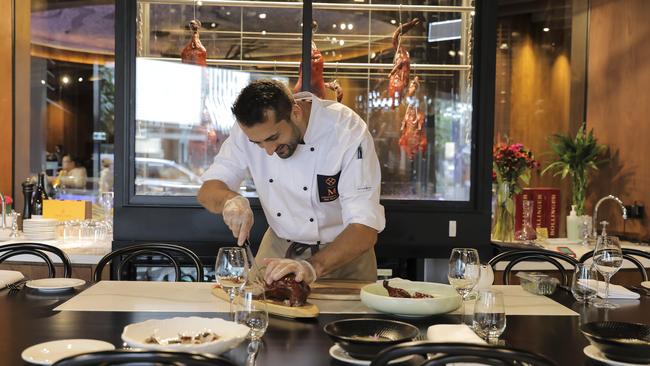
point(399, 292)
point(288, 291)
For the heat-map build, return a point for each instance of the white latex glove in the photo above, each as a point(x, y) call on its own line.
point(277, 268)
point(237, 214)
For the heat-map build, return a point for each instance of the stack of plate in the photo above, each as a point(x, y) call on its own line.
point(38, 228)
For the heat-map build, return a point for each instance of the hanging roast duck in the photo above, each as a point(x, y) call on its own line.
point(413, 136)
point(194, 52)
point(399, 75)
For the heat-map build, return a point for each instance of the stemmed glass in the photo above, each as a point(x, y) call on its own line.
point(489, 315)
point(464, 272)
point(250, 310)
point(231, 271)
point(106, 202)
point(608, 259)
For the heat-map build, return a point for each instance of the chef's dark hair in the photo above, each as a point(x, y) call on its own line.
point(260, 96)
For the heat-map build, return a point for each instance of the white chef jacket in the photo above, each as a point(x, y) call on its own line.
point(331, 181)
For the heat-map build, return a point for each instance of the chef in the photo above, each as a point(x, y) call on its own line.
point(317, 175)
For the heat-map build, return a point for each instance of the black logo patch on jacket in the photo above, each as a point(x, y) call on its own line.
point(328, 187)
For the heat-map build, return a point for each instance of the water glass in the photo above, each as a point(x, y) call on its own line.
point(489, 315)
point(585, 278)
point(231, 271)
point(250, 310)
point(464, 272)
point(608, 259)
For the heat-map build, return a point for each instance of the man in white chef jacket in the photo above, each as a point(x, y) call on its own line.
point(317, 175)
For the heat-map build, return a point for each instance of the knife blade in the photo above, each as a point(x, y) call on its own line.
point(249, 254)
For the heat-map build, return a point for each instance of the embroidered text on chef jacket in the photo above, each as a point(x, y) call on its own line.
point(331, 181)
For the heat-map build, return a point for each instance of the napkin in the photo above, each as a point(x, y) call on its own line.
point(9, 277)
point(615, 291)
point(461, 333)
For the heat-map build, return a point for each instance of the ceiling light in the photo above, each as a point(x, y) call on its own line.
point(263, 32)
point(262, 15)
point(373, 55)
point(227, 13)
point(80, 79)
point(546, 29)
point(343, 26)
point(341, 42)
point(393, 21)
point(213, 25)
point(452, 53)
point(199, 3)
point(334, 26)
point(350, 26)
point(472, 13)
point(43, 82)
point(65, 80)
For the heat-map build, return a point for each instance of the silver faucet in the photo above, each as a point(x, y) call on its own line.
point(4, 211)
point(594, 219)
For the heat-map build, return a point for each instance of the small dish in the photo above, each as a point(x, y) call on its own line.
point(48, 353)
point(54, 284)
point(339, 353)
point(620, 341)
point(592, 352)
point(230, 334)
point(446, 299)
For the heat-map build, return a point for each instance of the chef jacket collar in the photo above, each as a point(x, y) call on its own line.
point(313, 128)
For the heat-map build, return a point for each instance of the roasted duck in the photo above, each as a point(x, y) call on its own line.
point(413, 136)
point(399, 75)
point(194, 52)
point(334, 85)
point(288, 291)
point(398, 292)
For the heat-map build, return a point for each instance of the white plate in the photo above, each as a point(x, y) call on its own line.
point(594, 353)
point(339, 353)
point(446, 298)
point(230, 334)
point(50, 352)
point(54, 284)
point(646, 284)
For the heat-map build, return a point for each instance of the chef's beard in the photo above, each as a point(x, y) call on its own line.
point(285, 151)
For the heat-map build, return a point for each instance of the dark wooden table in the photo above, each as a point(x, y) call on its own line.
point(26, 318)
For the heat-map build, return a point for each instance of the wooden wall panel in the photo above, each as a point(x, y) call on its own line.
point(618, 104)
point(6, 97)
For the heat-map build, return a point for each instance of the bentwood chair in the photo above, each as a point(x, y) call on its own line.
point(133, 357)
point(451, 353)
point(168, 251)
point(39, 250)
point(630, 255)
point(534, 255)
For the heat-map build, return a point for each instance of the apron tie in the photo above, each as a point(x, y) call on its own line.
point(296, 249)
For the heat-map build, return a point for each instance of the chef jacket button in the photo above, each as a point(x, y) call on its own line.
point(279, 214)
point(288, 241)
point(311, 219)
point(304, 188)
point(311, 149)
point(318, 242)
point(271, 180)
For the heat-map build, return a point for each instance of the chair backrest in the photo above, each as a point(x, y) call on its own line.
point(129, 357)
point(533, 255)
point(162, 249)
point(39, 250)
point(630, 255)
point(449, 353)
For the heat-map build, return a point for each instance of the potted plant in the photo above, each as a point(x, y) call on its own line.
point(575, 157)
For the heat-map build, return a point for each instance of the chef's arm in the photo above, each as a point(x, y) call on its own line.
point(353, 241)
point(214, 194)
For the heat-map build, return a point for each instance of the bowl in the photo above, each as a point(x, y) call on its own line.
point(364, 338)
point(230, 334)
point(445, 298)
point(619, 341)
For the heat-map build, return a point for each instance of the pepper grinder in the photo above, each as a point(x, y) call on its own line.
point(28, 190)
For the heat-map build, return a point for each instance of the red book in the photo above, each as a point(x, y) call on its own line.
point(546, 209)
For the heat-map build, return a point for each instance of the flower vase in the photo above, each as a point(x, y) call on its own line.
point(504, 217)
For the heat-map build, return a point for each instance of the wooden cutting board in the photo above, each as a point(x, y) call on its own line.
point(277, 308)
point(345, 290)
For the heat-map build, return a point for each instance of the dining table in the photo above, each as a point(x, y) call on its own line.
point(29, 317)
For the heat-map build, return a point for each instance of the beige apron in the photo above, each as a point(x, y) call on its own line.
point(363, 267)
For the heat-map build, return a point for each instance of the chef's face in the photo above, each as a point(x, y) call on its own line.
point(280, 137)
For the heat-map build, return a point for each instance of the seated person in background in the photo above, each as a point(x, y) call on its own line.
point(71, 175)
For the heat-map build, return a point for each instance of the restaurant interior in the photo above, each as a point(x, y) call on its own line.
point(506, 138)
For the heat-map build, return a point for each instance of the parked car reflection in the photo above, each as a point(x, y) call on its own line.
point(164, 177)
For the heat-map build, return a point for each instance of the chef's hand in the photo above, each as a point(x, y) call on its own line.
point(277, 268)
point(237, 214)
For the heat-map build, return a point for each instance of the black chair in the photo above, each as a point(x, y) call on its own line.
point(132, 357)
point(164, 250)
point(448, 353)
point(39, 250)
point(630, 255)
point(533, 255)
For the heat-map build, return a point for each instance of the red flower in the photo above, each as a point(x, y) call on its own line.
point(8, 200)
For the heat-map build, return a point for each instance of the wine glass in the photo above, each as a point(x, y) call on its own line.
point(489, 315)
point(105, 200)
point(608, 259)
point(250, 310)
point(464, 272)
point(231, 271)
point(585, 282)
